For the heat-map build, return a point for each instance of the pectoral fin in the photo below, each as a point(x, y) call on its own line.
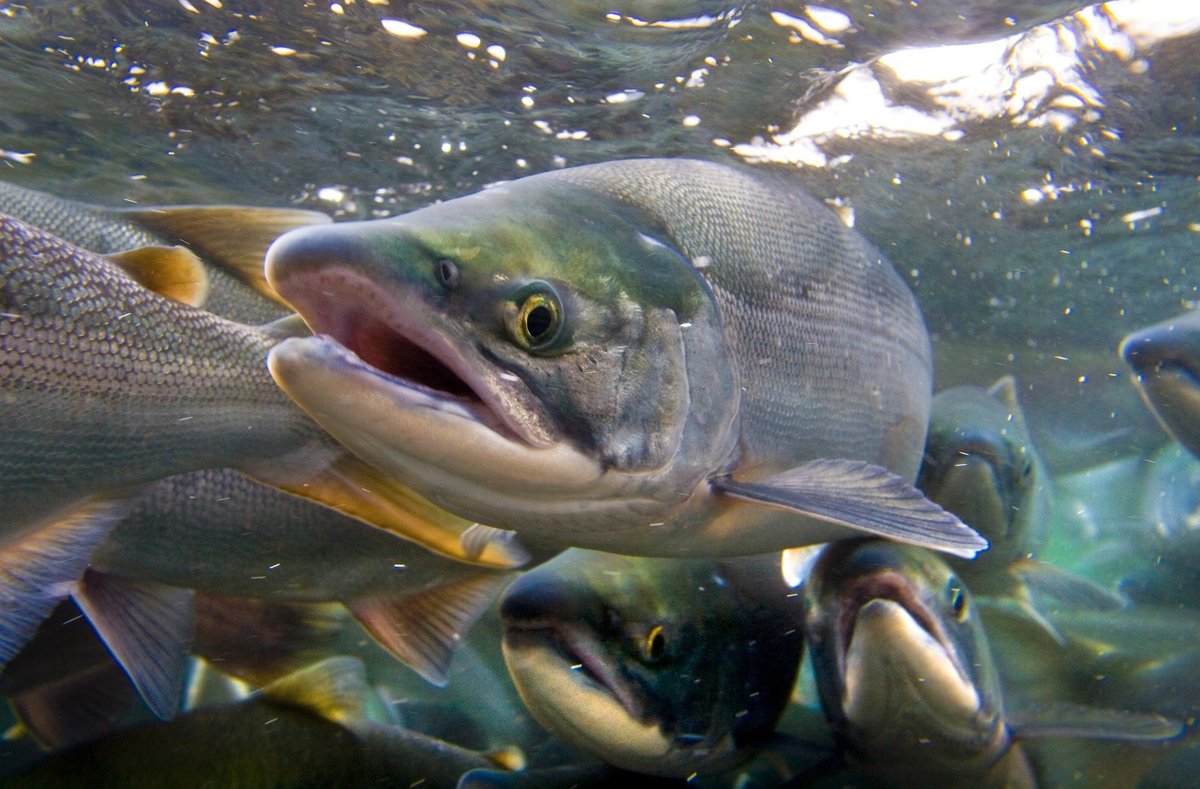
point(863, 498)
point(40, 568)
point(148, 627)
point(233, 237)
point(352, 487)
point(424, 629)
point(1065, 587)
point(1063, 719)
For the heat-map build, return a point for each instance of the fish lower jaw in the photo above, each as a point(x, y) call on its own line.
point(895, 671)
point(587, 713)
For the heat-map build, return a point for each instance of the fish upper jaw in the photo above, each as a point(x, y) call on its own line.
point(393, 333)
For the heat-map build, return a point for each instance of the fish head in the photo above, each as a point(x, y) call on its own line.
point(980, 463)
point(654, 665)
point(1166, 358)
point(517, 356)
point(901, 660)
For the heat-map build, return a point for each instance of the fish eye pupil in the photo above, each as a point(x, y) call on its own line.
point(538, 321)
point(958, 599)
point(447, 273)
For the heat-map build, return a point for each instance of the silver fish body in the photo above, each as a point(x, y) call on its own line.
point(105, 385)
point(1166, 358)
point(639, 356)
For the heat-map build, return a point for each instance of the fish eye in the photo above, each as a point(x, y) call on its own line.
point(655, 646)
point(537, 320)
point(447, 273)
point(956, 594)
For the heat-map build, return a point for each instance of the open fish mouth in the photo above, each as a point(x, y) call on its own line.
point(379, 333)
point(576, 654)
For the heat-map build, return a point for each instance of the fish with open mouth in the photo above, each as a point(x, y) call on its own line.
point(652, 357)
point(663, 666)
point(908, 681)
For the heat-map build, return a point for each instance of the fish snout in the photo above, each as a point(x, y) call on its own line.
point(535, 601)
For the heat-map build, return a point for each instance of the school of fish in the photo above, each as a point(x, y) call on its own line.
point(630, 471)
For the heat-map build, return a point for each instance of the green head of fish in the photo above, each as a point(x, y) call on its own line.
point(659, 666)
point(902, 664)
point(531, 348)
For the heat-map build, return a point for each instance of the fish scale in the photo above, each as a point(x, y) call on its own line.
point(95, 367)
point(858, 344)
point(105, 231)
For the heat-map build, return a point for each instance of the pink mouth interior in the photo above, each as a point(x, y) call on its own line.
point(383, 348)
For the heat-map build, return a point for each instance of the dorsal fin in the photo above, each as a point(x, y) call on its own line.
point(233, 237)
point(335, 689)
point(1005, 391)
point(174, 272)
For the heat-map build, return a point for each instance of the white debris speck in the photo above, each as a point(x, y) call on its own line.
point(827, 19)
point(469, 40)
point(284, 51)
point(703, 261)
point(1032, 195)
point(191, 9)
point(19, 158)
point(690, 120)
point(337, 8)
point(621, 97)
point(527, 101)
point(402, 29)
point(447, 146)
point(158, 89)
point(1135, 216)
point(331, 194)
point(496, 51)
point(183, 90)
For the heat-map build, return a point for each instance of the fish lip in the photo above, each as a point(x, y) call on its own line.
point(349, 310)
point(893, 586)
point(575, 646)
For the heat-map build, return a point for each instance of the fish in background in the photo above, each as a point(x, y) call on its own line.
point(981, 464)
point(228, 241)
point(908, 681)
point(656, 357)
point(106, 386)
point(1166, 358)
point(662, 666)
point(311, 728)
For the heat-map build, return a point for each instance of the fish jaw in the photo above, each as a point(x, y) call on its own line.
point(567, 683)
point(894, 665)
point(375, 413)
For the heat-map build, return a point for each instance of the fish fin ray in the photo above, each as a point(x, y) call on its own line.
point(40, 568)
point(863, 497)
point(234, 237)
point(148, 627)
point(1045, 579)
point(424, 629)
point(334, 688)
point(1066, 719)
point(174, 272)
point(358, 490)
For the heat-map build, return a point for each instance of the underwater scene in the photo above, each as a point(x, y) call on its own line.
point(577, 394)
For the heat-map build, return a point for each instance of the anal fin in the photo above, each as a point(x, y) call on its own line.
point(422, 630)
point(863, 498)
point(148, 627)
point(39, 569)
